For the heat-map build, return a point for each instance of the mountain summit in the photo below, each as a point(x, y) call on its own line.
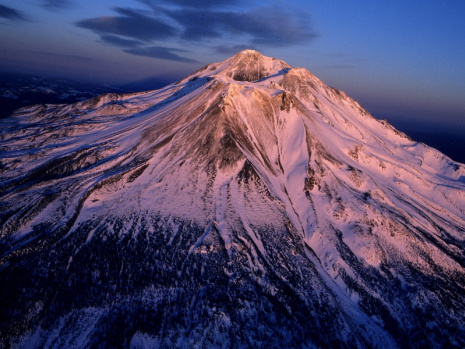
point(248, 205)
point(249, 66)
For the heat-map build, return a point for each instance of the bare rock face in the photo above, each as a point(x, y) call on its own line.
point(248, 205)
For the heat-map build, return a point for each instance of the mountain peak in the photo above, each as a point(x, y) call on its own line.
point(248, 52)
point(247, 66)
point(250, 65)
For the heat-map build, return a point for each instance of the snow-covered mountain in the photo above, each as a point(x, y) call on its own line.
point(248, 205)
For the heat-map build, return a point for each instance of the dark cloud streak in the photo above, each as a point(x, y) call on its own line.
point(11, 13)
point(130, 24)
point(272, 26)
point(203, 22)
point(160, 53)
point(117, 41)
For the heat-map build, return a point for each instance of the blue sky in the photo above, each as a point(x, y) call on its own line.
point(399, 59)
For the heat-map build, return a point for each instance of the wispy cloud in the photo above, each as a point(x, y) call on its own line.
point(160, 53)
point(119, 41)
point(204, 23)
point(271, 26)
point(130, 23)
point(11, 14)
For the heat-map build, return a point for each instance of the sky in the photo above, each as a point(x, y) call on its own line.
point(402, 60)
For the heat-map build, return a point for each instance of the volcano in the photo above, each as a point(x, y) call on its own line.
point(248, 205)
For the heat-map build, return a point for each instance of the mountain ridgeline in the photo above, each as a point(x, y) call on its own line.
point(248, 205)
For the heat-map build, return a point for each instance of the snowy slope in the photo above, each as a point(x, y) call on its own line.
point(246, 205)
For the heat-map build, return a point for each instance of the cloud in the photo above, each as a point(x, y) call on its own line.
point(133, 24)
point(118, 41)
point(143, 33)
point(160, 53)
point(11, 13)
point(56, 4)
point(274, 26)
point(271, 26)
point(130, 23)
